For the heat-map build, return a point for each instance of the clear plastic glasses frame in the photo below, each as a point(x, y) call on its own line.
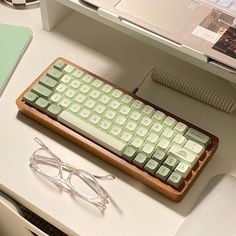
point(65, 173)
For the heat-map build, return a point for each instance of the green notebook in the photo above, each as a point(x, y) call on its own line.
point(13, 42)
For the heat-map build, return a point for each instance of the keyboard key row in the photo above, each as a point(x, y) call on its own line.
point(148, 138)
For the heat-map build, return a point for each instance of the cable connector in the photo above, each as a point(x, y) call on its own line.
point(147, 73)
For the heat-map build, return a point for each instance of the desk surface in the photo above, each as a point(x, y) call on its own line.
point(135, 208)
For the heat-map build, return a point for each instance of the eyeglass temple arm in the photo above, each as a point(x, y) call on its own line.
point(37, 140)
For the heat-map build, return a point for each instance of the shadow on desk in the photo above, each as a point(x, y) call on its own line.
point(119, 56)
point(181, 208)
point(215, 205)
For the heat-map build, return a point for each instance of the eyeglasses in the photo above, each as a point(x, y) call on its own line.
point(75, 181)
point(21, 3)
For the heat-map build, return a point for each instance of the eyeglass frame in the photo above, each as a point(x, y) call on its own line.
point(99, 201)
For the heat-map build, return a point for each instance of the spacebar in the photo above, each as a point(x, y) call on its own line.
point(91, 132)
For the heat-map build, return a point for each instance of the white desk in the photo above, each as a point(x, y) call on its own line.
point(137, 210)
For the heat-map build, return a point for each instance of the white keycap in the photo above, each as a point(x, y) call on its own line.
point(182, 169)
point(95, 134)
point(90, 103)
point(179, 139)
point(68, 68)
point(157, 127)
point(168, 134)
point(116, 93)
point(66, 79)
point(104, 99)
point(169, 122)
point(182, 155)
point(75, 107)
point(84, 88)
point(137, 104)
point(141, 131)
point(70, 93)
point(180, 128)
point(194, 147)
point(148, 149)
point(56, 97)
point(110, 114)
point(148, 110)
point(65, 102)
point(120, 120)
point(94, 94)
point(85, 113)
point(135, 115)
point(124, 110)
point(114, 104)
point(78, 73)
point(100, 109)
point(131, 125)
point(87, 78)
point(146, 121)
point(107, 88)
point(95, 119)
point(97, 83)
point(163, 144)
point(80, 98)
point(127, 99)
point(75, 84)
point(61, 88)
point(137, 143)
point(115, 130)
point(159, 116)
point(152, 138)
point(126, 137)
point(105, 124)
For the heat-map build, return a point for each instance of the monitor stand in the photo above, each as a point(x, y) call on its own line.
point(208, 82)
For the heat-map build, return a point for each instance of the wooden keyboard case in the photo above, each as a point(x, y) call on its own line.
point(106, 155)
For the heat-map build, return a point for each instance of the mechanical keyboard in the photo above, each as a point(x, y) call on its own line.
point(150, 144)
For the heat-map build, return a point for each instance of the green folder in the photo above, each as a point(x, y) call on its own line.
point(13, 42)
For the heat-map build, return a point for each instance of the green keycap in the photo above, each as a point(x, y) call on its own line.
point(59, 64)
point(140, 160)
point(53, 110)
point(41, 90)
point(51, 83)
point(171, 162)
point(30, 97)
point(159, 156)
point(163, 173)
point(41, 103)
point(129, 154)
point(151, 166)
point(175, 180)
point(54, 73)
point(197, 136)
